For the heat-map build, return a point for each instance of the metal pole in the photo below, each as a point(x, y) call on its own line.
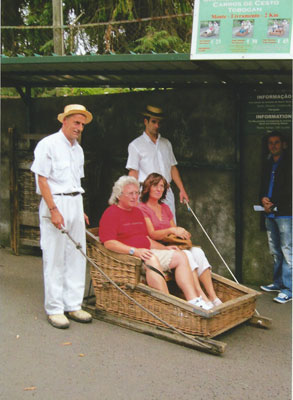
point(238, 186)
point(58, 27)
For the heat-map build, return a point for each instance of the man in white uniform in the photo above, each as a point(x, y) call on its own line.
point(150, 152)
point(58, 168)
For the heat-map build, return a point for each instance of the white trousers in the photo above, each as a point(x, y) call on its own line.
point(63, 265)
point(197, 260)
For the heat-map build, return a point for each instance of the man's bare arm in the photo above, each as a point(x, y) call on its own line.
point(56, 216)
point(122, 248)
point(178, 181)
point(134, 173)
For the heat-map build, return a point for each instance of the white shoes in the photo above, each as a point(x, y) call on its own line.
point(199, 302)
point(58, 321)
point(217, 302)
point(61, 321)
point(80, 316)
point(206, 305)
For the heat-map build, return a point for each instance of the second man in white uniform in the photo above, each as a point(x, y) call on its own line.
point(150, 152)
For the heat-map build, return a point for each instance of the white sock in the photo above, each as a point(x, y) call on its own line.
point(217, 302)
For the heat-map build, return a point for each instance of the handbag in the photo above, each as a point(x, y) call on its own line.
point(171, 239)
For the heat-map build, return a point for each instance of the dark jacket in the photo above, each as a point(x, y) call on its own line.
point(282, 190)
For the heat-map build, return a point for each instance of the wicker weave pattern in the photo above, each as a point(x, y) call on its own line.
point(111, 300)
point(28, 198)
point(239, 305)
point(224, 294)
point(117, 269)
point(231, 316)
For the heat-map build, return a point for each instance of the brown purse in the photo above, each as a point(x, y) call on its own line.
point(171, 239)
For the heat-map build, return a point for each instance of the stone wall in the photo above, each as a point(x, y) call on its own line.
point(201, 124)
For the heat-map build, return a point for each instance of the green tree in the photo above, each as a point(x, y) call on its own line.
point(160, 42)
point(119, 38)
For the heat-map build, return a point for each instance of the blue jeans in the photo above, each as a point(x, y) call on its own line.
point(279, 231)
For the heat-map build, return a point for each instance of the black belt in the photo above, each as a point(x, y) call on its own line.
point(67, 194)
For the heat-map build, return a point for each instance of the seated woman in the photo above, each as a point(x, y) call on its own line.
point(123, 229)
point(160, 222)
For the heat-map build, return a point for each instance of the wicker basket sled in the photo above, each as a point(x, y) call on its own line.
point(113, 306)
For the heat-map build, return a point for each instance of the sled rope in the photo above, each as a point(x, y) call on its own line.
point(214, 246)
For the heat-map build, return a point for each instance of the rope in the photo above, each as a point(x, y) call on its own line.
point(78, 246)
point(198, 221)
point(158, 18)
point(219, 254)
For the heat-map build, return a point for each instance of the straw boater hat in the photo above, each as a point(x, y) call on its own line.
point(153, 112)
point(75, 109)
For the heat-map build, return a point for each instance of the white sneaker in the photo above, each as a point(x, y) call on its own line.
point(196, 301)
point(199, 302)
point(208, 305)
point(80, 316)
point(58, 321)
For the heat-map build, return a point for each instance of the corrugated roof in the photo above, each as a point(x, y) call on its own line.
point(139, 70)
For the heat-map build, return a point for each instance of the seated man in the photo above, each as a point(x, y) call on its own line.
point(123, 229)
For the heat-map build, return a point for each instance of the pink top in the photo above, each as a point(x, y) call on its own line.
point(166, 216)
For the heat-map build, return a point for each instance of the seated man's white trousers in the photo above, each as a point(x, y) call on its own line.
point(63, 265)
point(197, 260)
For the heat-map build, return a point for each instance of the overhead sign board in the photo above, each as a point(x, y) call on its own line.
point(250, 29)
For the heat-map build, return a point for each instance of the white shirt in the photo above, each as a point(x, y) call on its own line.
point(146, 157)
point(60, 162)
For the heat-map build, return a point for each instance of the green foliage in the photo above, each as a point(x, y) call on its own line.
point(159, 42)
point(47, 47)
point(99, 39)
point(90, 91)
point(9, 92)
point(158, 35)
point(66, 92)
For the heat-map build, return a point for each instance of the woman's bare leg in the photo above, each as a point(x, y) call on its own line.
point(199, 258)
point(206, 279)
point(198, 287)
point(183, 275)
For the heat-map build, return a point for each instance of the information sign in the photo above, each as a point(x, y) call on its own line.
point(255, 29)
point(268, 111)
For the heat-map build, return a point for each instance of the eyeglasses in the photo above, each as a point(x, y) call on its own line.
point(131, 194)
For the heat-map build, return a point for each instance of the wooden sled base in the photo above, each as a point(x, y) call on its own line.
point(206, 345)
point(260, 322)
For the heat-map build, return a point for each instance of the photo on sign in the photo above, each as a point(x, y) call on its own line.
point(243, 28)
point(210, 29)
point(278, 27)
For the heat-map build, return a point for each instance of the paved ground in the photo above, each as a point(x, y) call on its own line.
point(103, 361)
